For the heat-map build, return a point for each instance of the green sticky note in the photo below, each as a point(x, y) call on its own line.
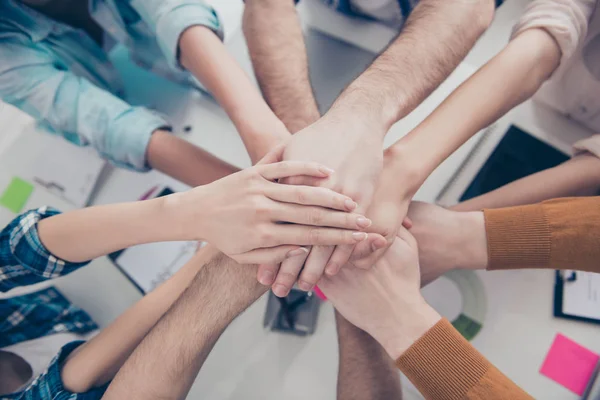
point(16, 194)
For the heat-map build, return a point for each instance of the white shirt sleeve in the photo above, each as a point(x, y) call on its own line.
point(566, 20)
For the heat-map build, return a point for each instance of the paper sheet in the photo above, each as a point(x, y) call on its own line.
point(581, 297)
point(149, 265)
point(68, 171)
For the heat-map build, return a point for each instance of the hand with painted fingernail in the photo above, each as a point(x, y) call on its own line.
point(253, 219)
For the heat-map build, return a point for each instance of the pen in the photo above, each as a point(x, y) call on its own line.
point(147, 195)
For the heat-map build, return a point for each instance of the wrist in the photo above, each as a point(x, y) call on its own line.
point(472, 248)
point(365, 101)
point(261, 135)
point(185, 213)
point(350, 110)
point(398, 162)
point(409, 326)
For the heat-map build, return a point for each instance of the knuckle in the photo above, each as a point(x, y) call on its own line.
point(286, 278)
point(265, 236)
point(350, 220)
point(314, 235)
point(300, 195)
point(310, 277)
point(262, 209)
point(315, 217)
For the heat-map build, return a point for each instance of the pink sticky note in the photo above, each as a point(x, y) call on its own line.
point(569, 364)
point(320, 294)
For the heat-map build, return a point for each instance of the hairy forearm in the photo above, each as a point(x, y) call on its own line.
point(366, 371)
point(184, 161)
point(278, 53)
point(436, 37)
point(99, 360)
point(579, 176)
point(205, 56)
point(524, 65)
point(184, 337)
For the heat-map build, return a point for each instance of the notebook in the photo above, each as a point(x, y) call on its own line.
point(500, 157)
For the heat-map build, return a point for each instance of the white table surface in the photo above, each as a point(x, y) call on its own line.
point(251, 363)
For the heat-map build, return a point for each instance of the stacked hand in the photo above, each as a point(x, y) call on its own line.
point(385, 300)
point(357, 161)
point(253, 219)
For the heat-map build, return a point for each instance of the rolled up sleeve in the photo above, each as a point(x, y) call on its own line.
point(49, 385)
point(64, 103)
point(565, 20)
point(24, 260)
point(168, 19)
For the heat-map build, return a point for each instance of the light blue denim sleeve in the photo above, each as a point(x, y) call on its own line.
point(168, 19)
point(34, 81)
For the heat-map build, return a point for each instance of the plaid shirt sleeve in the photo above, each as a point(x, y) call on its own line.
point(49, 385)
point(24, 260)
point(168, 19)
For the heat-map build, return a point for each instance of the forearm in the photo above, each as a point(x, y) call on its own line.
point(184, 337)
point(579, 176)
point(88, 233)
point(205, 56)
point(184, 161)
point(97, 362)
point(554, 234)
point(276, 44)
point(366, 372)
point(443, 365)
point(436, 37)
point(525, 64)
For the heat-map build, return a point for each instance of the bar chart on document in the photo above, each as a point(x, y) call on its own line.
point(149, 265)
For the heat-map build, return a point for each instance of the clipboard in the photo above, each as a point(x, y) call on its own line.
point(560, 290)
point(148, 265)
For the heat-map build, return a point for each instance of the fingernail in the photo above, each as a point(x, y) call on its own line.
point(265, 278)
point(363, 222)
point(359, 236)
point(280, 290)
point(297, 252)
point(350, 204)
point(331, 269)
point(326, 171)
point(305, 286)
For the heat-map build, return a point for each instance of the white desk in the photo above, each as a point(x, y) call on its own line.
point(250, 363)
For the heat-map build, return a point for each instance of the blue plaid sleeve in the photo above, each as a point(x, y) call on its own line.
point(49, 385)
point(168, 19)
point(24, 260)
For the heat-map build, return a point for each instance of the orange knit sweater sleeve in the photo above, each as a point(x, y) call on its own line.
point(555, 234)
point(444, 366)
